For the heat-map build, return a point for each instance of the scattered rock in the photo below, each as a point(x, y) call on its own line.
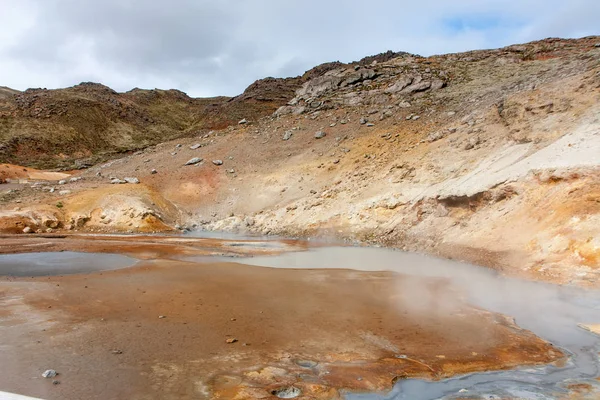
point(400, 85)
point(363, 121)
point(75, 179)
point(417, 87)
point(55, 382)
point(287, 135)
point(370, 124)
point(49, 373)
point(62, 182)
point(116, 351)
point(218, 162)
point(320, 135)
point(433, 136)
point(117, 181)
point(437, 84)
point(472, 143)
point(385, 114)
point(231, 340)
point(243, 121)
point(194, 161)
point(195, 146)
point(27, 230)
point(287, 392)
point(154, 171)
point(132, 180)
point(162, 316)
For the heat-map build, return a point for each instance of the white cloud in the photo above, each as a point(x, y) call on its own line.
point(208, 47)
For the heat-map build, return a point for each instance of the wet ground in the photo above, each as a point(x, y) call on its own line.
point(550, 311)
point(192, 319)
point(60, 263)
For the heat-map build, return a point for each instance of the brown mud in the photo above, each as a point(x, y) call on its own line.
point(161, 328)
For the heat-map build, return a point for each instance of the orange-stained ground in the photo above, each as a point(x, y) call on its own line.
point(318, 330)
point(16, 172)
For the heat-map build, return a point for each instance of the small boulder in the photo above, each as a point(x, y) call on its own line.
point(218, 162)
point(117, 181)
point(417, 87)
point(437, 84)
point(243, 121)
point(474, 141)
point(363, 121)
point(320, 135)
point(194, 161)
point(49, 373)
point(27, 230)
point(154, 171)
point(195, 146)
point(62, 182)
point(132, 180)
point(287, 135)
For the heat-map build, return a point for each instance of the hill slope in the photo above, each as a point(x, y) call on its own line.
point(90, 122)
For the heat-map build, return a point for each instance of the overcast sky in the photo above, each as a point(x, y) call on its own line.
point(219, 47)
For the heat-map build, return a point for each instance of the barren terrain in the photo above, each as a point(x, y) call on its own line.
point(490, 156)
point(164, 327)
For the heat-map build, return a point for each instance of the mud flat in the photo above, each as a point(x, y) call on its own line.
point(552, 312)
point(174, 329)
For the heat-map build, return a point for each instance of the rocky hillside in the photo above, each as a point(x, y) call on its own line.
point(489, 156)
point(88, 123)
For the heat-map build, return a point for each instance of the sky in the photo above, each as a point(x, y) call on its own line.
point(219, 47)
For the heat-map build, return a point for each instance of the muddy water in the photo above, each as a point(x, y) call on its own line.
point(552, 312)
point(60, 263)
